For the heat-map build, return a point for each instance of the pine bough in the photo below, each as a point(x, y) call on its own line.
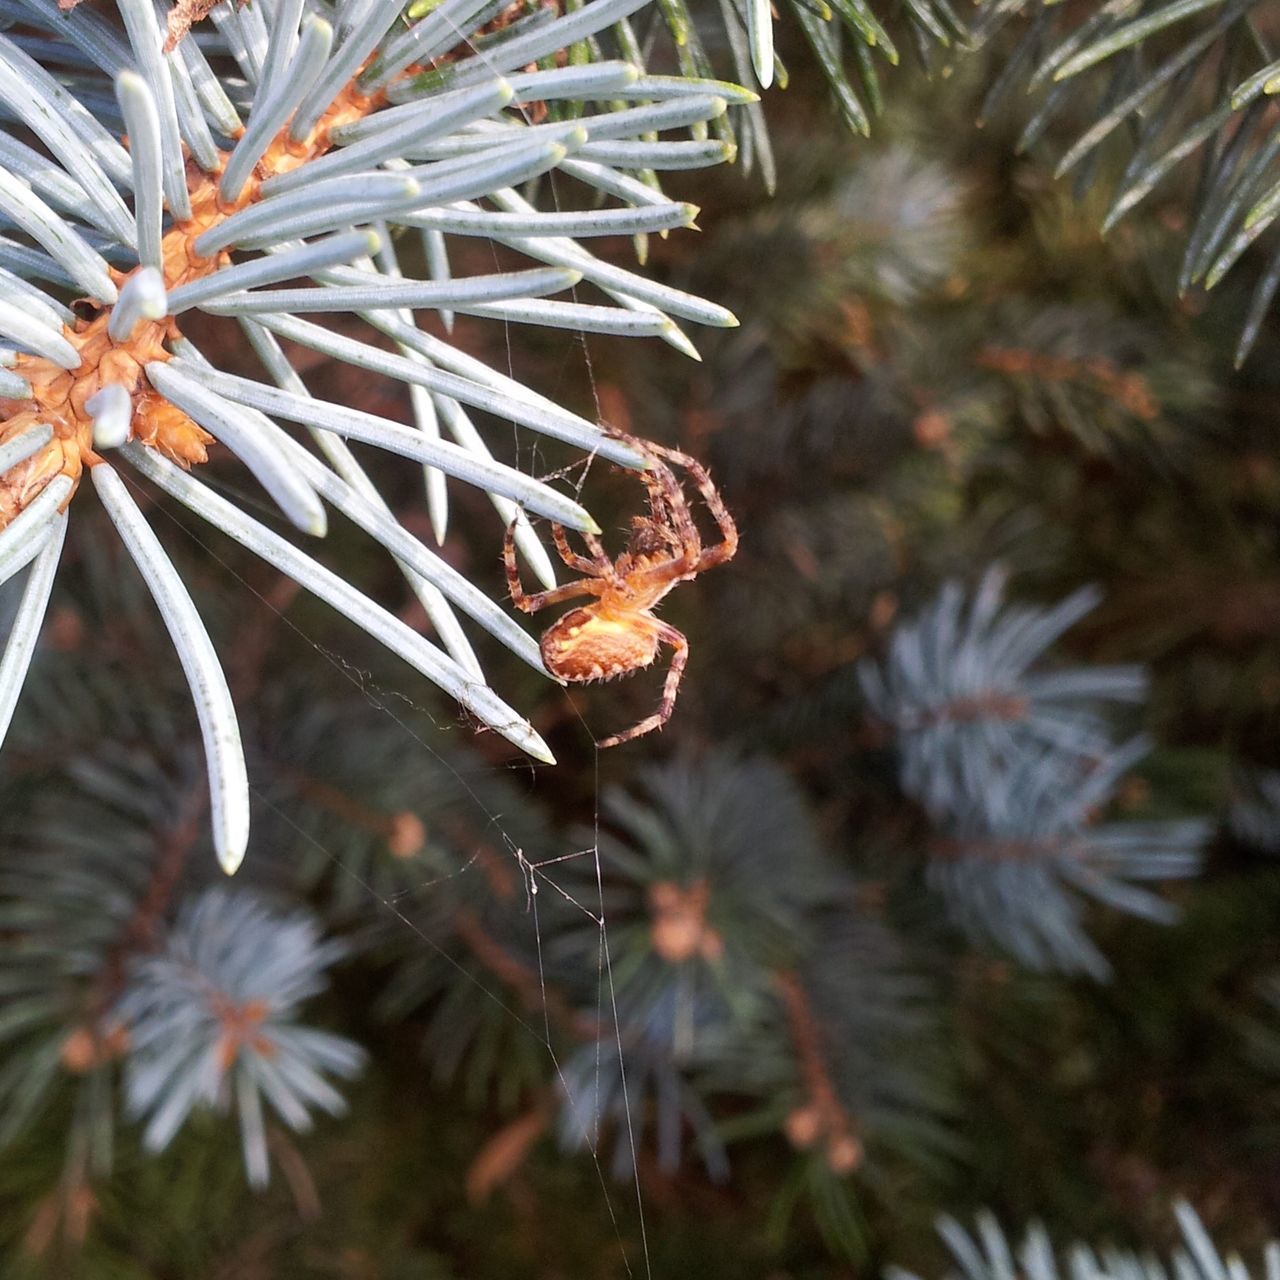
point(960, 690)
point(101, 989)
point(308, 141)
point(739, 966)
point(988, 1255)
point(1160, 85)
point(211, 1019)
point(1013, 763)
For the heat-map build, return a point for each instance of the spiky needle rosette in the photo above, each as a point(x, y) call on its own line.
point(1017, 863)
point(144, 176)
point(989, 1254)
point(1014, 760)
point(968, 695)
point(212, 1019)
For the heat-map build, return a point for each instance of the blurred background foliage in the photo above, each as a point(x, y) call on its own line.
point(943, 367)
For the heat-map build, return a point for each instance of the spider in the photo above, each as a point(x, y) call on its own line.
point(617, 633)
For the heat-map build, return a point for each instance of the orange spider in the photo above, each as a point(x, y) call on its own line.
point(617, 633)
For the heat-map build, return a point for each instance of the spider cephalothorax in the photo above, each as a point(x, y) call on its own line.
point(617, 633)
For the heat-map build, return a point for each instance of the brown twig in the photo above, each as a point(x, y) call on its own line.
point(1130, 390)
point(403, 831)
point(993, 850)
point(822, 1119)
point(524, 981)
point(92, 1042)
point(141, 932)
point(989, 704)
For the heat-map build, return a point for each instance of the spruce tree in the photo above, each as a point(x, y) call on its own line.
point(943, 889)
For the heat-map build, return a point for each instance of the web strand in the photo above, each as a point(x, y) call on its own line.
point(535, 874)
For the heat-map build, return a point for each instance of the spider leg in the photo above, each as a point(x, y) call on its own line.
point(680, 645)
point(557, 595)
point(569, 555)
point(671, 508)
point(541, 599)
point(600, 557)
point(667, 519)
point(715, 504)
point(599, 566)
point(675, 520)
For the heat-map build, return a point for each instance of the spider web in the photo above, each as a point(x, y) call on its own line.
point(537, 876)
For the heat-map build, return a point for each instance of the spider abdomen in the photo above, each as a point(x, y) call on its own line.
point(599, 643)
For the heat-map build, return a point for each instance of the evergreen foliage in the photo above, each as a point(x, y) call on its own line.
point(1013, 766)
point(653, 1017)
point(966, 708)
point(988, 1255)
point(1173, 82)
point(346, 142)
point(1132, 99)
point(674, 970)
point(209, 1021)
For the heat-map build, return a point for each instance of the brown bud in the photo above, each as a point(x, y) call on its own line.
point(679, 930)
point(676, 937)
point(164, 427)
point(64, 631)
point(803, 1126)
point(79, 1052)
point(932, 429)
point(844, 1154)
point(883, 608)
point(408, 835)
